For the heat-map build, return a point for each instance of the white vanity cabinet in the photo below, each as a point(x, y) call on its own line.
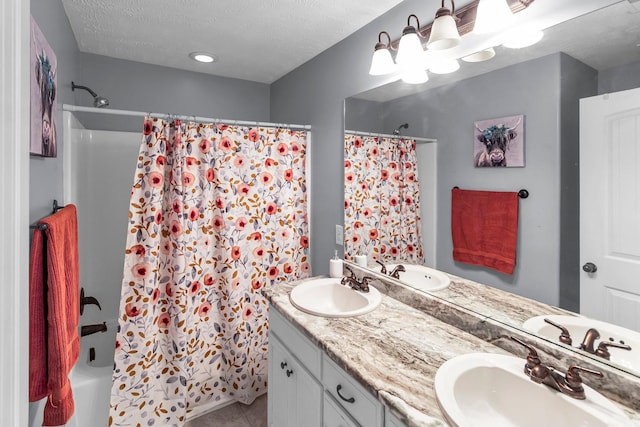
point(355, 401)
point(294, 393)
point(306, 388)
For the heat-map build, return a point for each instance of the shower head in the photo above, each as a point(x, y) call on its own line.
point(396, 131)
point(98, 101)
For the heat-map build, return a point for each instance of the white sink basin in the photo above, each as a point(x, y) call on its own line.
point(483, 389)
point(328, 298)
point(578, 326)
point(420, 277)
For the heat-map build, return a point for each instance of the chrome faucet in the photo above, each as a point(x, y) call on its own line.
point(355, 284)
point(395, 273)
point(569, 384)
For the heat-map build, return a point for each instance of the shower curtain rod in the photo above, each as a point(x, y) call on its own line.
point(388, 135)
point(68, 107)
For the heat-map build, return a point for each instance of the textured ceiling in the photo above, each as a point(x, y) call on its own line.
point(258, 40)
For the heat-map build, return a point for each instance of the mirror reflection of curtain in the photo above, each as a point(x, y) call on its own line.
point(382, 199)
point(216, 214)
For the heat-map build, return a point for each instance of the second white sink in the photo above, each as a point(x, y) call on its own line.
point(420, 277)
point(328, 298)
point(578, 326)
point(483, 389)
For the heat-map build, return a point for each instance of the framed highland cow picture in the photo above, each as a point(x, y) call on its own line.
point(43, 140)
point(499, 142)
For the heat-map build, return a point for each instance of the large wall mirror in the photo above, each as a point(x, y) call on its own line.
point(587, 56)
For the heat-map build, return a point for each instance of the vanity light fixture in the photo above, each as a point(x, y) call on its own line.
point(492, 16)
point(410, 49)
point(202, 57)
point(444, 31)
point(382, 62)
point(483, 55)
point(443, 34)
point(445, 66)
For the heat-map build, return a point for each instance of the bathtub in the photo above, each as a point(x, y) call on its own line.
point(90, 382)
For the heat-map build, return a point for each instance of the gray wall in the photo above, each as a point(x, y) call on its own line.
point(46, 173)
point(619, 78)
point(448, 113)
point(129, 86)
point(367, 116)
point(577, 80)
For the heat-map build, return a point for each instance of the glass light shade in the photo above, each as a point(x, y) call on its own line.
point(492, 16)
point(444, 66)
point(382, 63)
point(410, 51)
point(444, 33)
point(415, 77)
point(522, 38)
point(483, 55)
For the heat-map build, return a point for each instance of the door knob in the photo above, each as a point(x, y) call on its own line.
point(590, 267)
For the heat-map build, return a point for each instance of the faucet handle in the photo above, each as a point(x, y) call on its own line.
point(383, 270)
point(603, 351)
point(573, 376)
point(564, 338)
point(365, 283)
point(532, 358)
point(351, 273)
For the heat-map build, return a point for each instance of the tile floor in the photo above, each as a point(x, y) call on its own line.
point(235, 415)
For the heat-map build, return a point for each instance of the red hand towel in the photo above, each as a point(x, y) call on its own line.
point(484, 228)
point(54, 313)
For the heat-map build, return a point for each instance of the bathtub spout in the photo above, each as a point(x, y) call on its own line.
point(87, 300)
point(92, 329)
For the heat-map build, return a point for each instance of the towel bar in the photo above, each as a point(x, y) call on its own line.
point(55, 209)
point(523, 194)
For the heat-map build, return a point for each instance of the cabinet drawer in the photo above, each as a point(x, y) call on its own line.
point(297, 344)
point(334, 415)
point(356, 401)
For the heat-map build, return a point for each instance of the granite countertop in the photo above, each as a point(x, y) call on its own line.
point(393, 351)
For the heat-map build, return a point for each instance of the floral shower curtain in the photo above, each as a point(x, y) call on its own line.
point(382, 199)
point(217, 213)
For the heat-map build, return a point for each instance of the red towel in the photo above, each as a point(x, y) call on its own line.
point(54, 344)
point(484, 228)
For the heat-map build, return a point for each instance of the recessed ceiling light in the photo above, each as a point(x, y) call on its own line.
point(202, 57)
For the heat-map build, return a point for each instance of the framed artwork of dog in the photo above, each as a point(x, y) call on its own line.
point(499, 142)
point(43, 139)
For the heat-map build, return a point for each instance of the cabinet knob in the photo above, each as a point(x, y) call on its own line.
point(289, 372)
point(349, 400)
point(282, 365)
point(590, 267)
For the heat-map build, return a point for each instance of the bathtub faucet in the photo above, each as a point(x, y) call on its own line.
point(87, 300)
point(93, 329)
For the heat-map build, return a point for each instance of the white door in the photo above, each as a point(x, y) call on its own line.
point(610, 207)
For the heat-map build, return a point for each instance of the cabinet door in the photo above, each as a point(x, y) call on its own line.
point(295, 397)
point(308, 399)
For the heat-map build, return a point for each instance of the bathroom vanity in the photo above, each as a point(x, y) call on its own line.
point(378, 369)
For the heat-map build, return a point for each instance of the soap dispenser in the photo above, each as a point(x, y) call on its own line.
point(335, 265)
